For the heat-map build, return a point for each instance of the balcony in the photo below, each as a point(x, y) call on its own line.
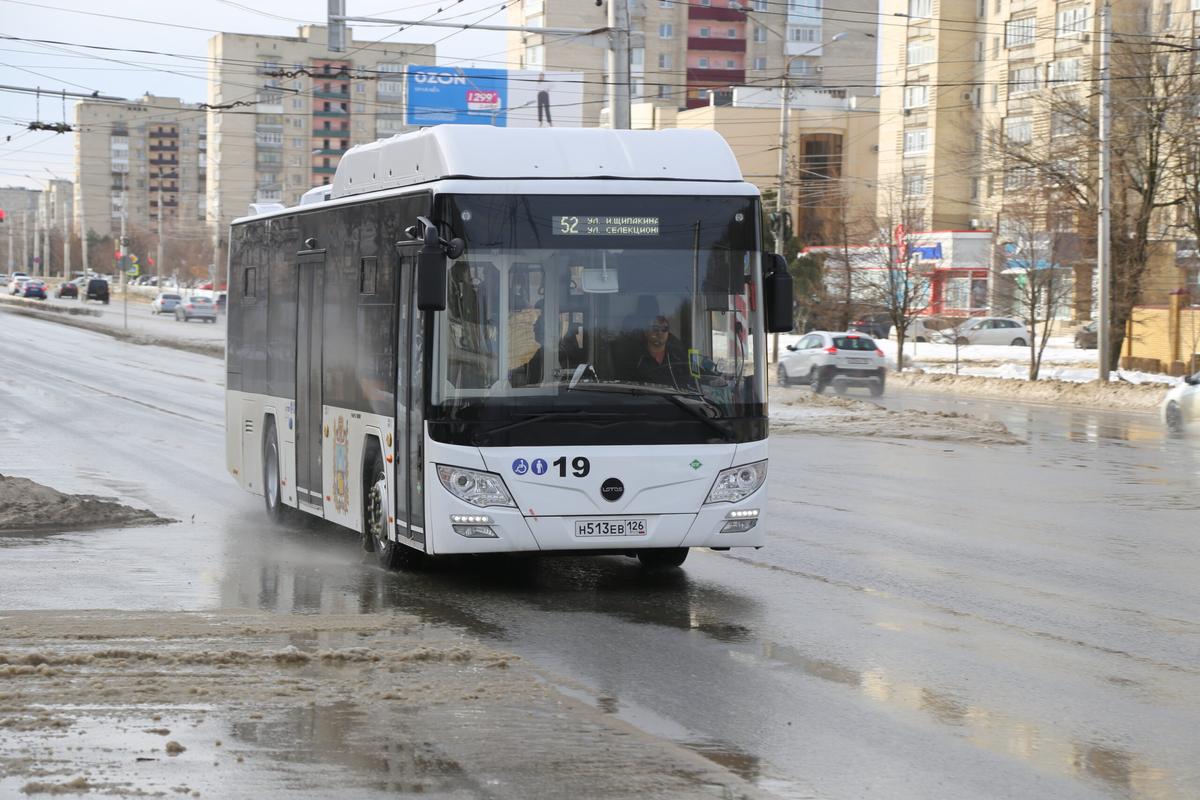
point(714, 43)
point(164, 148)
point(331, 133)
point(719, 14)
point(165, 162)
point(723, 77)
point(337, 113)
point(324, 170)
point(329, 151)
point(332, 95)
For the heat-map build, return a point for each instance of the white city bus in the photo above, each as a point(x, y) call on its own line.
point(482, 340)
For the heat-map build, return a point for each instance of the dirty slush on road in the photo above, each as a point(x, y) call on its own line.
point(247, 703)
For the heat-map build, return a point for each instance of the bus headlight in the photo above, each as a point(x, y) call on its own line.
point(481, 489)
point(737, 483)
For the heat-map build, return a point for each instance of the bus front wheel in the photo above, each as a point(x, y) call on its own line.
point(277, 510)
point(665, 558)
point(375, 505)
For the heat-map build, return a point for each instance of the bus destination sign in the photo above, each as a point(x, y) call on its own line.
point(605, 226)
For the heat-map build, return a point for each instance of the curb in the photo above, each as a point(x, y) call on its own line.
point(70, 317)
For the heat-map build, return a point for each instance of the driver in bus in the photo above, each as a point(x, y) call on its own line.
point(570, 355)
point(663, 360)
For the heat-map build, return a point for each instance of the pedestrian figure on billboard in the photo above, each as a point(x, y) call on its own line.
point(543, 102)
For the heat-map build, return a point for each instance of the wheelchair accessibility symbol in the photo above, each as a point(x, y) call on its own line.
point(520, 466)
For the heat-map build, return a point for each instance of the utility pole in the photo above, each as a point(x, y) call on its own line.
point(45, 270)
point(124, 252)
point(618, 64)
point(1103, 238)
point(83, 230)
point(158, 256)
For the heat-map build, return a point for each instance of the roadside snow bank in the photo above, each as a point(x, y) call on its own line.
point(1116, 395)
point(804, 412)
point(28, 507)
point(204, 348)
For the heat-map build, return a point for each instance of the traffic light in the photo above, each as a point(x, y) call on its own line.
point(1, 215)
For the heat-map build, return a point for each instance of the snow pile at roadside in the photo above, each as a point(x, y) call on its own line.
point(1020, 372)
point(1116, 395)
point(841, 416)
point(28, 507)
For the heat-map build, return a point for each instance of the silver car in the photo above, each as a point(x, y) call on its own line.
point(821, 359)
point(992, 330)
point(196, 307)
point(165, 303)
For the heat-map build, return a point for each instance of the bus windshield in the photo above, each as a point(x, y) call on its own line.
point(562, 304)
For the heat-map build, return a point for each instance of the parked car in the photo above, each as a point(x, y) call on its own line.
point(993, 330)
point(165, 302)
point(927, 329)
point(1086, 337)
point(67, 289)
point(97, 289)
point(34, 289)
point(878, 324)
point(821, 359)
point(1181, 406)
point(196, 307)
point(17, 284)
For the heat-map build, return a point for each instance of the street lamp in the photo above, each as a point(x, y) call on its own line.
point(784, 91)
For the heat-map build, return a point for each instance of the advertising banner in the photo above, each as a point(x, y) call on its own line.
point(505, 98)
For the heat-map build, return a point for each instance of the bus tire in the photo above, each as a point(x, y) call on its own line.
point(663, 558)
point(375, 511)
point(272, 484)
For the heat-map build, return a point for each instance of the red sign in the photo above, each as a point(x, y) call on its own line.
point(482, 100)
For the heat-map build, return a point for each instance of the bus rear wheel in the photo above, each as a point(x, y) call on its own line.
point(375, 506)
point(664, 558)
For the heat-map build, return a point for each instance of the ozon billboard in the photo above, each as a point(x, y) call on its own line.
point(505, 98)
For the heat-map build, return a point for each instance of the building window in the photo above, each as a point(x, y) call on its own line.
point(1018, 130)
point(1063, 123)
point(974, 188)
point(1022, 80)
point(731, 33)
point(391, 79)
point(760, 62)
point(760, 33)
point(803, 34)
point(664, 90)
point(730, 63)
point(666, 30)
point(914, 185)
point(664, 60)
point(1018, 177)
point(637, 89)
point(703, 62)
point(1065, 70)
point(916, 141)
point(1019, 32)
point(705, 33)
point(916, 96)
point(637, 59)
point(920, 52)
point(666, 3)
point(920, 9)
point(760, 5)
point(360, 88)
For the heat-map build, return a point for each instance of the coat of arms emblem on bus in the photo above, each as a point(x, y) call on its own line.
point(341, 466)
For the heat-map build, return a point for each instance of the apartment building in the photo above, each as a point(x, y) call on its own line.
point(285, 109)
point(143, 158)
point(19, 230)
point(690, 53)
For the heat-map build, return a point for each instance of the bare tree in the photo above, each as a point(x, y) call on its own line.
point(1037, 285)
point(894, 277)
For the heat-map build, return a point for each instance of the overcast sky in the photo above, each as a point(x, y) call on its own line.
point(180, 29)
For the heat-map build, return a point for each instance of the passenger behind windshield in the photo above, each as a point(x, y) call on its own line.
point(570, 355)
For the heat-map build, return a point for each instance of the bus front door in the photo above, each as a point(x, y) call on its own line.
point(310, 322)
point(410, 405)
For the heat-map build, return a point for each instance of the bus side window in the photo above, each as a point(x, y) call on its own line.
point(472, 308)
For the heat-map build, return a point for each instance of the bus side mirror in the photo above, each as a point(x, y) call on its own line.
point(777, 286)
point(431, 274)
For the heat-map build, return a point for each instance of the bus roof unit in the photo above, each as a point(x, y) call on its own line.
point(482, 151)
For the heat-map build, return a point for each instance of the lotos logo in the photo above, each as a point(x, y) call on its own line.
point(612, 489)
point(443, 78)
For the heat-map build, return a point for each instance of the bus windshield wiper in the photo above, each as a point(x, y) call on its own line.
point(559, 416)
point(675, 397)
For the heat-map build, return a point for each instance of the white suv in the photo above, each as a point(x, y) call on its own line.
point(821, 359)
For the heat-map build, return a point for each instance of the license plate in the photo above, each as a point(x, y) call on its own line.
point(858, 361)
point(592, 528)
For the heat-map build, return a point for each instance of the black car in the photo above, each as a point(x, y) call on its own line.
point(878, 325)
point(97, 289)
point(67, 289)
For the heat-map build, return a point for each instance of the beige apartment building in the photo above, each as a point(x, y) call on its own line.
point(142, 158)
point(20, 206)
point(691, 53)
point(285, 109)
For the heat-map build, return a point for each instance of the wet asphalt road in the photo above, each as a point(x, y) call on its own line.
point(929, 620)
